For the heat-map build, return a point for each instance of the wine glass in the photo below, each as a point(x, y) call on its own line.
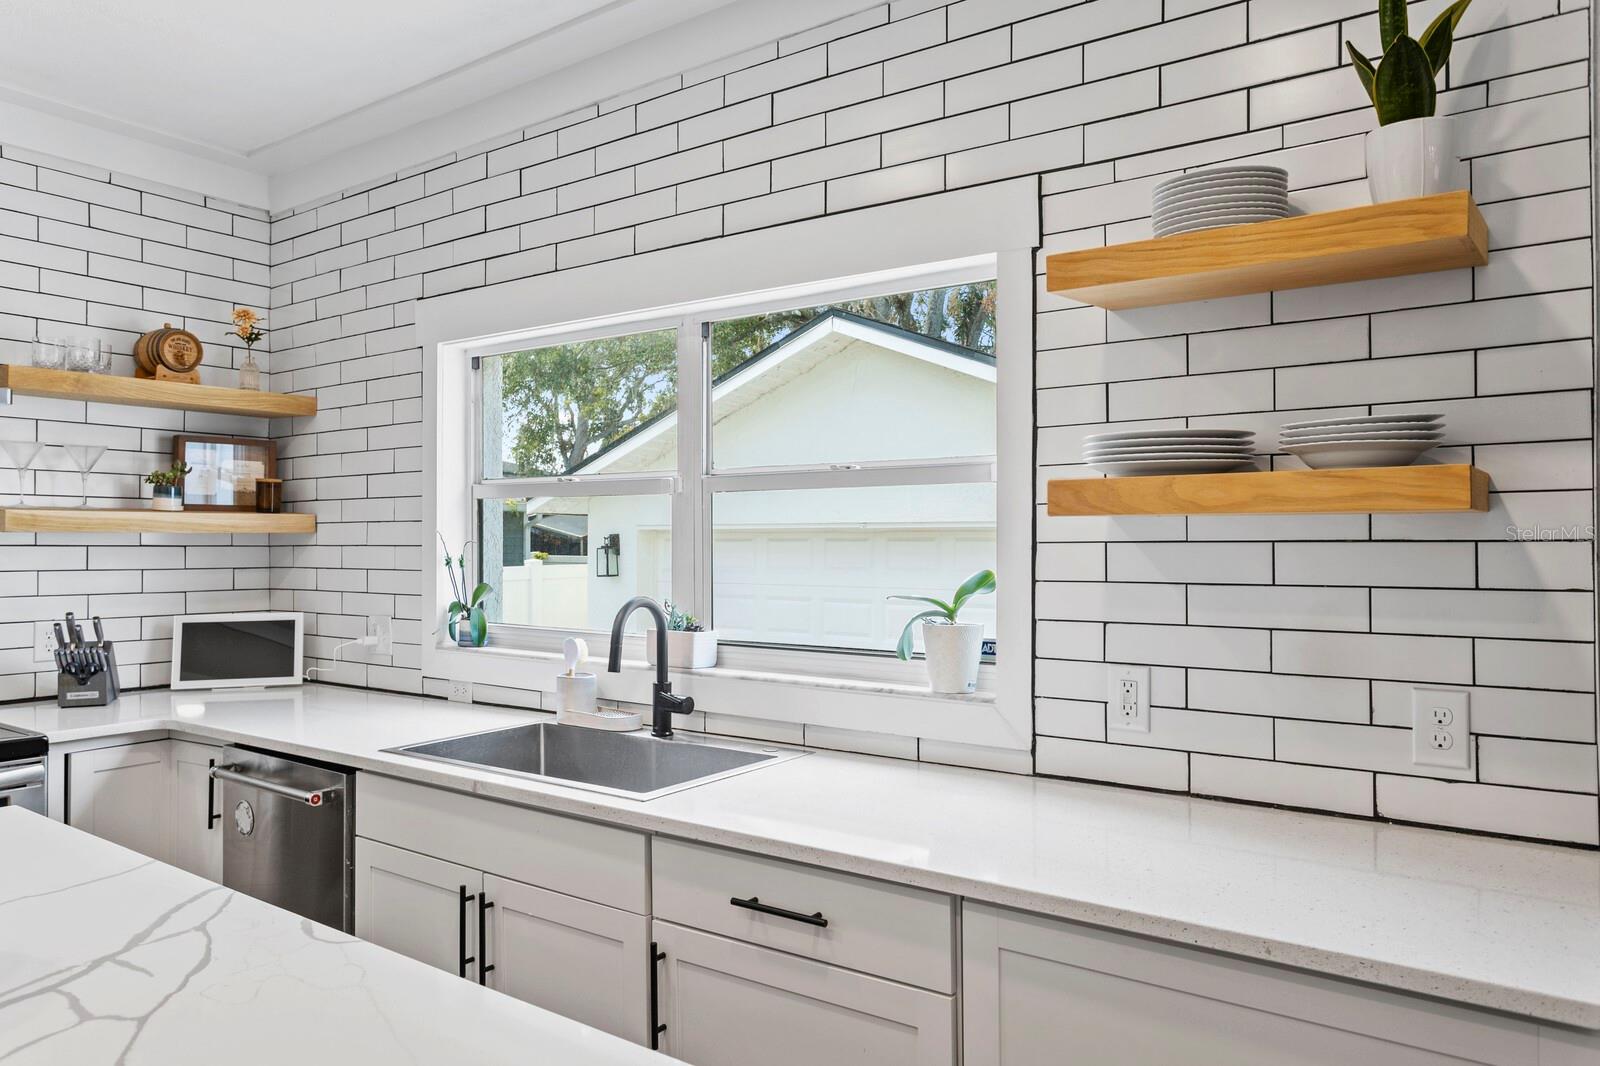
point(84, 457)
point(22, 454)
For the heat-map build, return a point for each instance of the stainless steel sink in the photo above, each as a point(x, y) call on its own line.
point(631, 765)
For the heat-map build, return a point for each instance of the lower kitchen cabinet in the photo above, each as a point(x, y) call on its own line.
point(196, 834)
point(124, 795)
point(422, 907)
point(728, 1003)
point(583, 960)
point(1042, 992)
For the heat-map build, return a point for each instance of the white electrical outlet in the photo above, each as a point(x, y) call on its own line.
point(44, 642)
point(380, 628)
point(459, 691)
point(1128, 698)
point(1441, 729)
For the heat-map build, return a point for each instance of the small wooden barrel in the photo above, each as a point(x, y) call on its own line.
point(168, 353)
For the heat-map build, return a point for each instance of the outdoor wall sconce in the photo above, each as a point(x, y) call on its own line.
point(605, 558)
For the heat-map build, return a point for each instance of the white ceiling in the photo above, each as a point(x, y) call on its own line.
point(256, 91)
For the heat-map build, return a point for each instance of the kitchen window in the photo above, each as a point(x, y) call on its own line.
point(710, 423)
point(777, 472)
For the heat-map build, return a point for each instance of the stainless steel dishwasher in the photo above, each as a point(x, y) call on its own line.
point(289, 828)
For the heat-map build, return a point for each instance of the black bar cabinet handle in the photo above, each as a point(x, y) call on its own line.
point(657, 957)
point(461, 935)
point(754, 904)
point(484, 967)
point(211, 796)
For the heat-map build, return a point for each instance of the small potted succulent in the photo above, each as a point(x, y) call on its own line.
point(465, 619)
point(166, 487)
point(690, 645)
point(1413, 151)
point(953, 647)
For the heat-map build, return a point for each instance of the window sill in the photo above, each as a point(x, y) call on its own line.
point(873, 706)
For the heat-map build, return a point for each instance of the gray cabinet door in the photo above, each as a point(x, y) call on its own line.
point(582, 960)
point(727, 1003)
point(1041, 992)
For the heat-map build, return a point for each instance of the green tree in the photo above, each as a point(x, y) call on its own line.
point(564, 404)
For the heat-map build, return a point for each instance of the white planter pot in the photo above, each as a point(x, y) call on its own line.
point(685, 651)
point(953, 652)
point(160, 502)
point(1418, 157)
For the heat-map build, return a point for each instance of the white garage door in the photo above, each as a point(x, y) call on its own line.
point(829, 588)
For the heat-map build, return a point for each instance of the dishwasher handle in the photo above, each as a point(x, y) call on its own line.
point(19, 778)
point(310, 799)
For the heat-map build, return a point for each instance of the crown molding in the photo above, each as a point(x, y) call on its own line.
point(330, 158)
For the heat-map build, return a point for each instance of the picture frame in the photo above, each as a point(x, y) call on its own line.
point(223, 470)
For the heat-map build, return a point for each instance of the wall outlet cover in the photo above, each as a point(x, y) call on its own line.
point(1441, 728)
point(44, 642)
point(1128, 698)
point(459, 691)
point(381, 629)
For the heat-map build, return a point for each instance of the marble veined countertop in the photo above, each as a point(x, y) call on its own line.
point(1491, 923)
point(109, 957)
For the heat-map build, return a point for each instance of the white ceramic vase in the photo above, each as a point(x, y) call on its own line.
point(685, 650)
point(953, 653)
point(1418, 157)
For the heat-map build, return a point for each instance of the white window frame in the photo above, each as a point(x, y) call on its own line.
point(908, 246)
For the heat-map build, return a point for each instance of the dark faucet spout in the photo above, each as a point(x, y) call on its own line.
point(663, 703)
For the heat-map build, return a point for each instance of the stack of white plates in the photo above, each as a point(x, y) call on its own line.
point(1220, 196)
point(1170, 451)
point(1366, 440)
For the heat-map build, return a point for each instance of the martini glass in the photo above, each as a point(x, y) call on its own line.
point(22, 454)
point(84, 457)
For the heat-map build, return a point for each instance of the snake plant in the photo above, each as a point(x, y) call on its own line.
point(943, 613)
point(1402, 84)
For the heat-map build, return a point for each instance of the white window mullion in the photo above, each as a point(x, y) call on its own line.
point(556, 488)
point(691, 547)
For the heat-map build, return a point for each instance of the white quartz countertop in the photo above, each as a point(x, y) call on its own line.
point(109, 957)
point(1492, 923)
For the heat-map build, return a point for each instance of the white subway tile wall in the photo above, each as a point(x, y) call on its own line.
point(90, 256)
point(1283, 648)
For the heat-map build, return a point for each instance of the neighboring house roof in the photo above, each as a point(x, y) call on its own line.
point(790, 356)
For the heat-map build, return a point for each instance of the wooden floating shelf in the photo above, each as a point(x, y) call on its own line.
point(1373, 490)
point(107, 520)
point(1444, 232)
point(147, 392)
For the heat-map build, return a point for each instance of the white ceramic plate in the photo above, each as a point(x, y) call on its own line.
point(1211, 214)
point(1313, 437)
point(1148, 467)
point(1171, 436)
point(1227, 192)
point(1224, 447)
point(1339, 455)
point(1364, 420)
point(1164, 215)
point(1176, 453)
point(1167, 453)
point(1216, 174)
point(1211, 217)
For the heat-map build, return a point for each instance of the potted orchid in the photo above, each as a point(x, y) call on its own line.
point(247, 327)
point(465, 619)
point(953, 647)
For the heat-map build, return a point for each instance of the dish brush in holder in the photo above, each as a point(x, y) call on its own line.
point(576, 693)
